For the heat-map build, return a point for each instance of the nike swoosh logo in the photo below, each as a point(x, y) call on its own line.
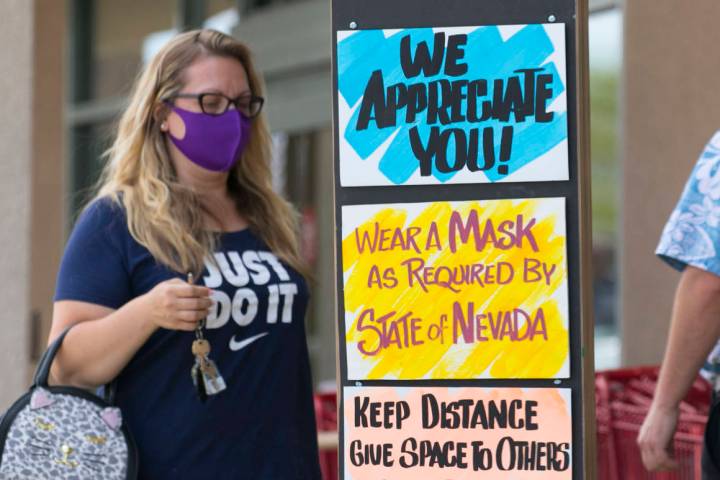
point(235, 345)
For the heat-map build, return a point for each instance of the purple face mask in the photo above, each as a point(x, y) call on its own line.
point(214, 142)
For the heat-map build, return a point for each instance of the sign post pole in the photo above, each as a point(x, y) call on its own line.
point(584, 199)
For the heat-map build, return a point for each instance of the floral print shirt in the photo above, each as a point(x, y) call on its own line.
point(692, 233)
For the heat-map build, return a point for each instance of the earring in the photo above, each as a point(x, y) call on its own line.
point(163, 126)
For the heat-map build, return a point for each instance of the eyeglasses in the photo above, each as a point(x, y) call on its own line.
point(217, 103)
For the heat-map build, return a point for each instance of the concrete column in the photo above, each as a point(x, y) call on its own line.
point(32, 177)
point(49, 166)
point(16, 83)
point(324, 289)
point(670, 110)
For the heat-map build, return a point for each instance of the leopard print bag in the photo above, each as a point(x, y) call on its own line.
point(64, 433)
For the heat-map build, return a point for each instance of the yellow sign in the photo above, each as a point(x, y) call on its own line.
point(456, 290)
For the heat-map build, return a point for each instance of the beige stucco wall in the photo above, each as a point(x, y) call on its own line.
point(16, 32)
point(671, 109)
point(31, 181)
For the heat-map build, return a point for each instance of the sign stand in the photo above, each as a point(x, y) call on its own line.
point(463, 239)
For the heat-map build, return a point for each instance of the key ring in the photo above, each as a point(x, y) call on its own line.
point(198, 332)
point(201, 323)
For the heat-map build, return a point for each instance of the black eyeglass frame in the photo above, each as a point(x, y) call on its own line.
point(260, 101)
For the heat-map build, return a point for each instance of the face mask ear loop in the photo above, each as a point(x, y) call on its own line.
point(151, 120)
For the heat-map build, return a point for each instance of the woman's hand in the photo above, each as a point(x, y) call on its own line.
point(177, 305)
point(656, 436)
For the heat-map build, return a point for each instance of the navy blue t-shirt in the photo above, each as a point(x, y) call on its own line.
point(263, 425)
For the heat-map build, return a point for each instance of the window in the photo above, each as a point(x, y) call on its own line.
point(605, 65)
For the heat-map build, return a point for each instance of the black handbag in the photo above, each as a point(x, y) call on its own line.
point(64, 432)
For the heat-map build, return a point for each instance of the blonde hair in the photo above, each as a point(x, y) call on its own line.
point(162, 214)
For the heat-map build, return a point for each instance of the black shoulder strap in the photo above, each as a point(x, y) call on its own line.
point(109, 392)
point(43, 369)
point(42, 373)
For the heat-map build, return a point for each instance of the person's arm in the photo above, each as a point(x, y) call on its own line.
point(104, 340)
point(694, 330)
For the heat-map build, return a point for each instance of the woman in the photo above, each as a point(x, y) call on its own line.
point(187, 189)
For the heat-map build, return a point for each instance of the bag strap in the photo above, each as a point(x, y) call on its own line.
point(109, 392)
point(43, 369)
point(42, 373)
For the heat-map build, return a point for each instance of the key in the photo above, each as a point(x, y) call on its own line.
point(198, 381)
point(201, 347)
point(205, 374)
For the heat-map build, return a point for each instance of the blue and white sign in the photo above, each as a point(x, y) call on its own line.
point(452, 105)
